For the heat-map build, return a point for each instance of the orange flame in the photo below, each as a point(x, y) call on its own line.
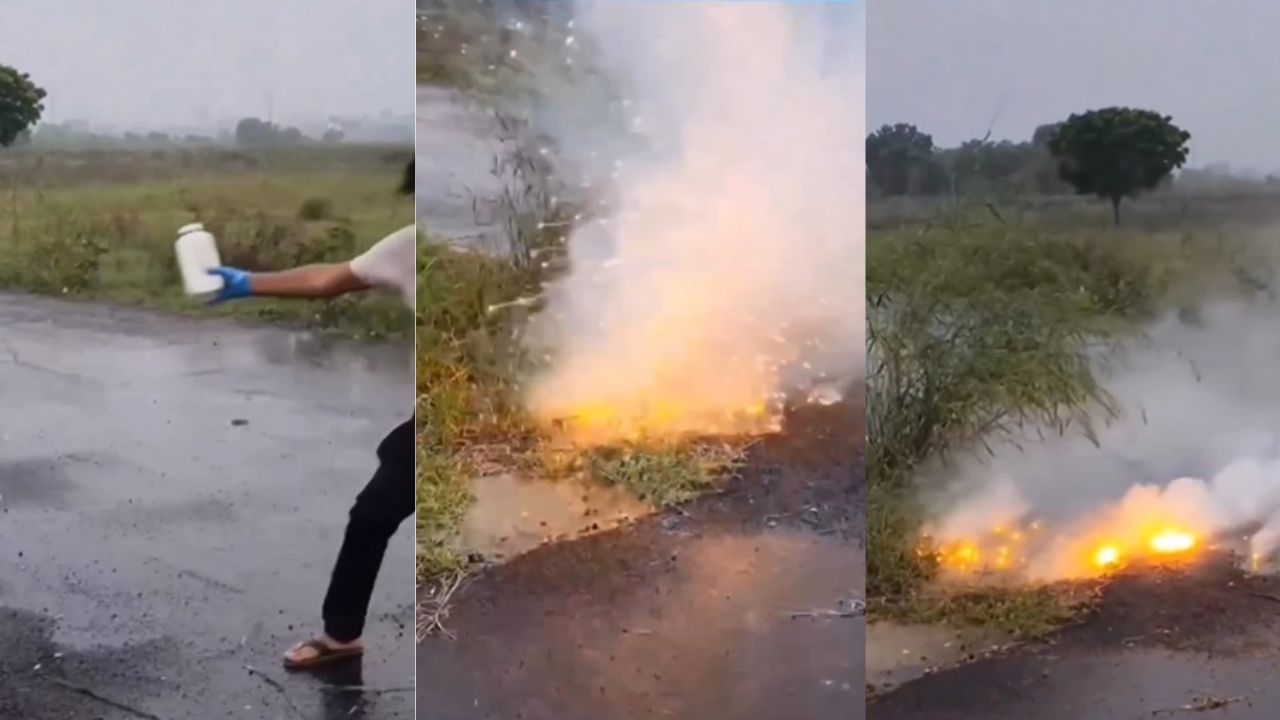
point(1094, 552)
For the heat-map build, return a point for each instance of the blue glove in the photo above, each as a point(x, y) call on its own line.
point(235, 284)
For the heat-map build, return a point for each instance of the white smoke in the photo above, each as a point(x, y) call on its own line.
point(726, 269)
point(1197, 445)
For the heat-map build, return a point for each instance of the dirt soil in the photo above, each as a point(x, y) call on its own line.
point(1163, 641)
point(685, 614)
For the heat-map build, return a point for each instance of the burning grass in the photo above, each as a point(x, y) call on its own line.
point(675, 296)
point(471, 416)
point(978, 329)
point(1095, 549)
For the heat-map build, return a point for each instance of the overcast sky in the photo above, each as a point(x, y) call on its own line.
point(151, 63)
point(951, 66)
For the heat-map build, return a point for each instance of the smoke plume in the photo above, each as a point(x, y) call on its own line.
point(722, 273)
point(1196, 447)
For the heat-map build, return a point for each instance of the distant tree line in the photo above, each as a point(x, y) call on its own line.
point(1111, 153)
point(73, 135)
point(253, 132)
point(248, 133)
point(22, 104)
point(903, 160)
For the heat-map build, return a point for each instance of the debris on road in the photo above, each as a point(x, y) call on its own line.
point(1200, 703)
point(435, 610)
point(845, 609)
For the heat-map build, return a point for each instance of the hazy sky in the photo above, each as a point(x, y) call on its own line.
point(148, 63)
point(950, 66)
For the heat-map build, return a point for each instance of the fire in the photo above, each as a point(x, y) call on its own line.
point(1171, 542)
point(1106, 556)
point(661, 419)
point(704, 291)
point(1081, 552)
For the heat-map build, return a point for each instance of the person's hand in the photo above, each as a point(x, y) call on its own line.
point(235, 284)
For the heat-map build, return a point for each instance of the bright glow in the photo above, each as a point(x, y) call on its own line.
point(1078, 551)
point(1106, 556)
point(1172, 541)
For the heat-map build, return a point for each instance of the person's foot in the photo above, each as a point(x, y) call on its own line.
point(320, 650)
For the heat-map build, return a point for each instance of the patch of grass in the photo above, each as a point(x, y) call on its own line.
point(1023, 613)
point(666, 474)
point(442, 502)
point(977, 328)
point(101, 225)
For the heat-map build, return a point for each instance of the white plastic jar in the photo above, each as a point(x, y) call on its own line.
point(198, 254)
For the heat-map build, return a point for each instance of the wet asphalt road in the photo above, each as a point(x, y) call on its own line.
point(1162, 645)
point(172, 496)
point(685, 615)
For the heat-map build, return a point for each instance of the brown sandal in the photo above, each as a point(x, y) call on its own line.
point(324, 654)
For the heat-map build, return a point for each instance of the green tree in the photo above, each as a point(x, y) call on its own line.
point(1118, 152)
point(21, 104)
point(898, 158)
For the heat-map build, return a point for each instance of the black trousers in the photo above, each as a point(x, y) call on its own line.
point(378, 511)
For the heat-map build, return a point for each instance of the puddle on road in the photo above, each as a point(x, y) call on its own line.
point(513, 514)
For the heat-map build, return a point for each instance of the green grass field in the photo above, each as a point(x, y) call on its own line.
point(100, 225)
point(979, 323)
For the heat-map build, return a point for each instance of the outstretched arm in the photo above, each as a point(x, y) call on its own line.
point(324, 280)
point(390, 263)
